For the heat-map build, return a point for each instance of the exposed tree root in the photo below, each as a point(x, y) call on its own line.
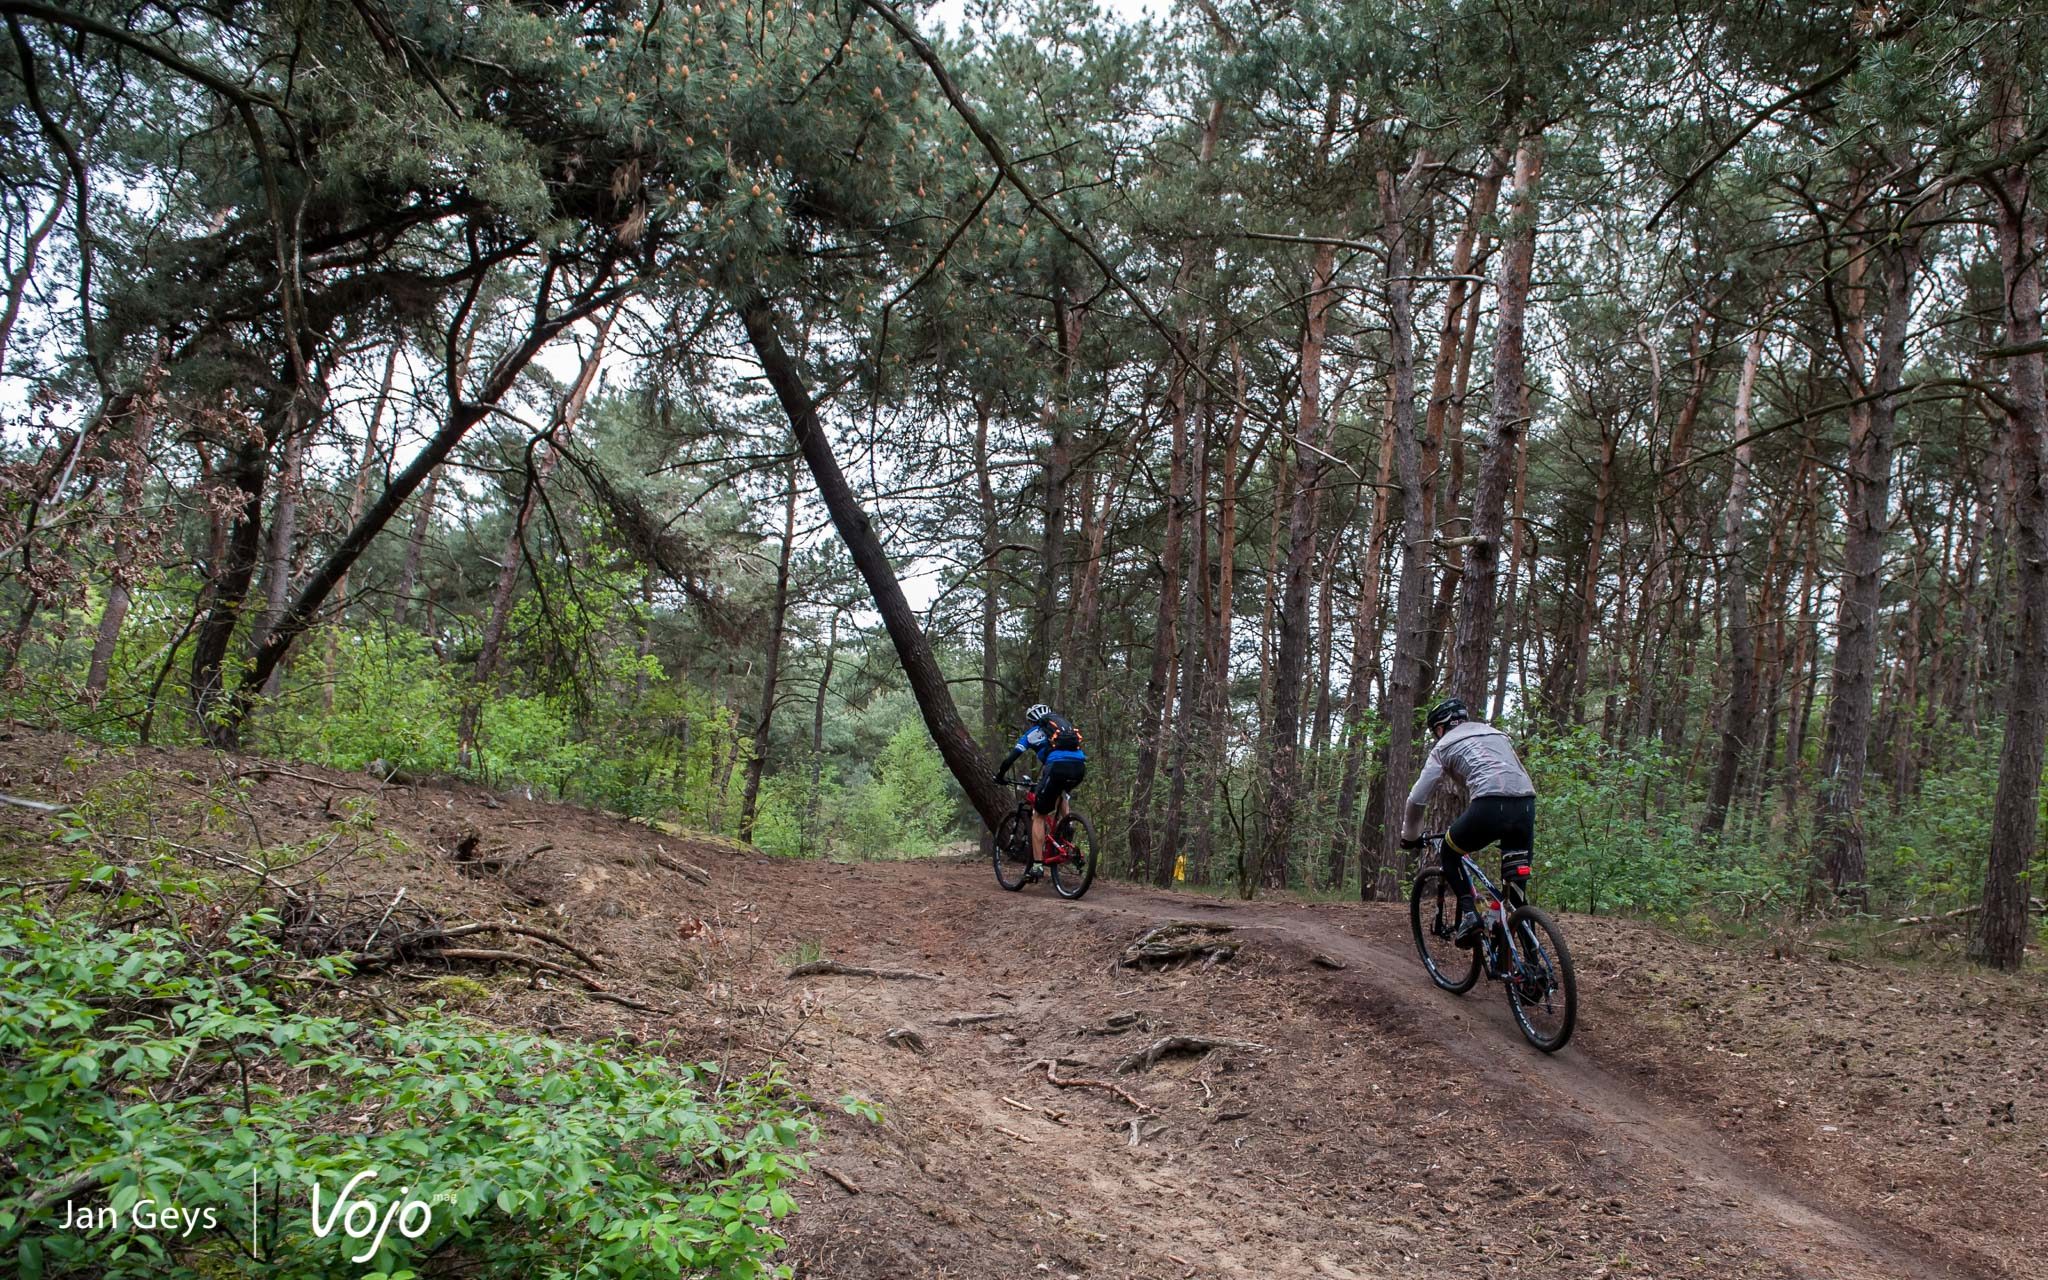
point(822, 968)
point(1178, 941)
point(1053, 1076)
point(1147, 1058)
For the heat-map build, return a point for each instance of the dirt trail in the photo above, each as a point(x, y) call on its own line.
point(1392, 1129)
point(1723, 1112)
point(1796, 1229)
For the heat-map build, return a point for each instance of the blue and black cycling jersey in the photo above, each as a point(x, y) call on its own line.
point(1052, 739)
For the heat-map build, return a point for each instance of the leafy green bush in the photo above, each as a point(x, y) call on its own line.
point(139, 1072)
point(907, 808)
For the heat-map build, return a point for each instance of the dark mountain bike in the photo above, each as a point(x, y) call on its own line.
point(1069, 852)
point(1520, 946)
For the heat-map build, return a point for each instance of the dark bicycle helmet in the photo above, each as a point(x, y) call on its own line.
point(1448, 712)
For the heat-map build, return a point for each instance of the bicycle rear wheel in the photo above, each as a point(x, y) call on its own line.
point(1433, 916)
point(1070, 879)
point(1011, 852)
point(1543, 993)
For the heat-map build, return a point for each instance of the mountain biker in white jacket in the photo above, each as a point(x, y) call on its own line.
point(1500, 802)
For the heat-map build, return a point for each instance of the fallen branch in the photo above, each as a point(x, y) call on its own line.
point(268, 771)
point(967, 1019)
point(1053, 1077)
point(491, 955)
point(687, 870)
point(525, 931)
point(823, 968)
point(1014, 1134)
point(1149, 1057)
point(841, 1179)
point(613, 997)
point(38, 806)
point(2033, 904)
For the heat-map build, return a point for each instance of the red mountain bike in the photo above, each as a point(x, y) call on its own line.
point(1069, 852)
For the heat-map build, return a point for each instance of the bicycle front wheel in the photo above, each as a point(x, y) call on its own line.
point(1071, 878)
point(1011, 851)
point(1433, 917)
point(1542, 990)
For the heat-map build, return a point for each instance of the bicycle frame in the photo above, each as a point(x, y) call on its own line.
point(1501, 901)
point(1055, 849)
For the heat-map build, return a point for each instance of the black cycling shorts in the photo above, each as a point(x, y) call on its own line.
point(1509, 819)
point(1060, 777)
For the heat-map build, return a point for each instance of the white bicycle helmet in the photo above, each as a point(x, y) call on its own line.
point(1037, 711)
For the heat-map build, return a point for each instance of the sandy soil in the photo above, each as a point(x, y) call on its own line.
point(1722, 1112)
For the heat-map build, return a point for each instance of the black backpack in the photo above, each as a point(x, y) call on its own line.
point(1061, 735)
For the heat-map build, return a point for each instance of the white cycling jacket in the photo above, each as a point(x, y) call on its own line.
point(1479, 758)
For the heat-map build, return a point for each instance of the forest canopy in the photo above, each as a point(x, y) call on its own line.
point(736, 413)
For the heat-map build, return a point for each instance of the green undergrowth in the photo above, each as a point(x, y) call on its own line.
point(147, 1067)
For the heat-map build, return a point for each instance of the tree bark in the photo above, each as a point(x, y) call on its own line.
point(1365, 643)
point(771, 664)
point(134, 482)
point(1380, 853)
point(1311, 445)
point(1195, 726)
point(1479, 585)
point(1845, 755)
point(1739, 716)
point(415, 550)
point(2001, 933)
point(927, 681)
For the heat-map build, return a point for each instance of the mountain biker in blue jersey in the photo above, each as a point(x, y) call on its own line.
point(1500, 802)
point(1063, 764)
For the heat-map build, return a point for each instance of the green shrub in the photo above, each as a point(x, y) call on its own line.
point(136, 1067)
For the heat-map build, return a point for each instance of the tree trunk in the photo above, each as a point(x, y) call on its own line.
point(1839, 825)
point(1380, 854)
point(812, 800)
point(1516, 543)
point(1283, 729)
point(1365, 643)
point(415, 550)
point(991, 601)
point(1739, 716)
point(1152, 710)
point(358, 493)
point(771, 664)
point(1218, 690)
point(1568, 703)
point(2001, 933)
point(134, 482)
point(1478, 587)
point(927, 681)
point(1195, 726)
point(1058, 460)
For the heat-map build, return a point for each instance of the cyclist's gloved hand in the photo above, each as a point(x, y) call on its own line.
point(1413, 842)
